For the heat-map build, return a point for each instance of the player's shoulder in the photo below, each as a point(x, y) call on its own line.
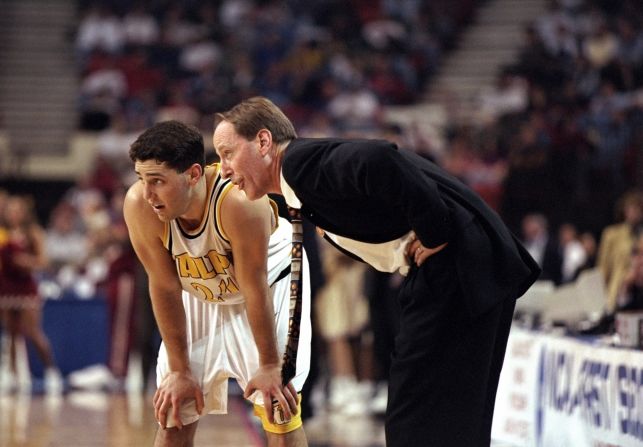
point(137, 211)
point(134, 197)
point(236, 200)
point(238, 213)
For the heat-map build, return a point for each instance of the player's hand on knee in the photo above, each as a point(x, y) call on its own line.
point(267, 381)
point(291, 396)
point(175, 388)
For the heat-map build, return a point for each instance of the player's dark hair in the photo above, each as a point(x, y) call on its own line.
point(171, 142)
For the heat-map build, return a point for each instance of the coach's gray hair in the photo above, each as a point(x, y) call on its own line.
point(256, 113)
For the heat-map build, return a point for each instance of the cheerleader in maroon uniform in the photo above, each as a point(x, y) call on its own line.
point(21, 255)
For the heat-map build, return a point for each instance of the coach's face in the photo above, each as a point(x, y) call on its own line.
point(242, 160)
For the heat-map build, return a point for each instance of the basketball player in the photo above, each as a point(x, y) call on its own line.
point(228, 258)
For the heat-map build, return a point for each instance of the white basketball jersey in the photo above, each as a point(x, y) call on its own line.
point(203, 256)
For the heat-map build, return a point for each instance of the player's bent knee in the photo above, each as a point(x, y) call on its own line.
point(293, 424)
point(167, 437)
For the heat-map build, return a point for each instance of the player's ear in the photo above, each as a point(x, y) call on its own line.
point(195, 172)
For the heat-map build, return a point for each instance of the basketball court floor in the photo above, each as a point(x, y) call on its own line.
point(99, 419)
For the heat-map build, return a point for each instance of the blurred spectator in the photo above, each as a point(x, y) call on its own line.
point(355, 109)
point(101, 94)
point(141, 77)
point(4, 197)
point(616, 243)
point(199, 54)
point(630, 51)
point(112, 145)
point(100, 29)
point(382, 289)
point(526, 185)
point(120, 289)
point(392, 79)
point(534, 60)
point(542, 247)
point(211, 89)
point(177, 29)
point(550, 24)
point(301, 57)
point(475, 161)
point(140, 27)
point(590, 246)
point(572, 251)
point(630, 296)
point(85, 197)
point(601, 46)
point(570, 169)
point(384, 33)
point(318, 126)
point(342, 316)
point(22, 258)
point(177, 107)
point(509, 95)
point(65, 242)
point(234, 12)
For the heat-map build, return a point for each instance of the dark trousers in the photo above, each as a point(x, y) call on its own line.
point(446, 365)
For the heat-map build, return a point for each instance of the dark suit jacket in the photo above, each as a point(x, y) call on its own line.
point(369, 191)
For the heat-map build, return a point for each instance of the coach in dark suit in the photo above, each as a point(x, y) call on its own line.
point(396, 210)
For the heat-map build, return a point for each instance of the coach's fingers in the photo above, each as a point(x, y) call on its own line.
point(422, 253)
point(419, 255)
point(412, 248)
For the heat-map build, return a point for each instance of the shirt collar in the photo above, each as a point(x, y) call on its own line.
point(291, 198)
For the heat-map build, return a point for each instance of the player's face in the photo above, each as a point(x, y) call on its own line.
point(164, 189)
point(241, 160)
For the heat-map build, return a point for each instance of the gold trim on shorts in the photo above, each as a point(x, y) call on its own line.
point(280, 429)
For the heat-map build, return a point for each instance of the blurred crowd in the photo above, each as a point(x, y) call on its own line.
point(555, 146)
point(151, 60)
point(560, 132)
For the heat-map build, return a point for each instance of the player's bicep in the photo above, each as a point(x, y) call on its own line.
point(248, 225)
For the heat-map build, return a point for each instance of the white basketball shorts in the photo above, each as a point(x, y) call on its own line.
point(221, 347)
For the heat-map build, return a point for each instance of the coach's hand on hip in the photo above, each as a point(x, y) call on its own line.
point(419, 253)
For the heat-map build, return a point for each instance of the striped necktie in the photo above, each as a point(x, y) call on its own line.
point(289, 366)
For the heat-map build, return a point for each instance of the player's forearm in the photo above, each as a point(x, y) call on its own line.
point(261, 319)
point(170, 318)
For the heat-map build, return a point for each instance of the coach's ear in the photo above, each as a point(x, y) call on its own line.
point(265, 141)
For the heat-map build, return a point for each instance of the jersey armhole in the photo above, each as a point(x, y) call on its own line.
point(275, 214)
point(167, 237)
point(217, 218)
